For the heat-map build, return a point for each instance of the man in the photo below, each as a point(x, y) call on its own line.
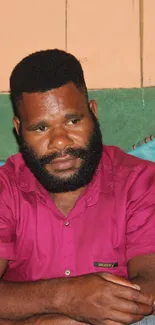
point(77, 219)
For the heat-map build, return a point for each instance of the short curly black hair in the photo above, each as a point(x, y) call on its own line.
point(45, 70)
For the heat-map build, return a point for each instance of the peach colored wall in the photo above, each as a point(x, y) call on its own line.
point(27, 26)
point(106, 35)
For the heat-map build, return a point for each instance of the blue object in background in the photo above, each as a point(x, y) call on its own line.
point(145, 151)
point(2, 162)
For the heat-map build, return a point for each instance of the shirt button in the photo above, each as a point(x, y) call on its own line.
point(67, 272)
point(67, 223)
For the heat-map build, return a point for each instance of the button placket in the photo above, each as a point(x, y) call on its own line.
point(68, 247)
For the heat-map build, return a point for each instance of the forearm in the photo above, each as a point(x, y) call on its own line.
point(43, 320)
point(23, 300)
point(147, 284)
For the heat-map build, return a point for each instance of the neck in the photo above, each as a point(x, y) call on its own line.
point(66, 201)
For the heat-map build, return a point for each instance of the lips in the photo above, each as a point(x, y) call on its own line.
point(63, 163)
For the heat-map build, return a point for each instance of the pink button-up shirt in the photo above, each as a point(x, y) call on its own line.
point(112, 222)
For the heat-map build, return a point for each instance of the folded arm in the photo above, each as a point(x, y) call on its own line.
point(43, 320)
point(142, 272)
point(92, 298)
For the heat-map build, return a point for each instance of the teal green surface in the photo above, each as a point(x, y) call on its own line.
point(126, 116)
point(8, 144)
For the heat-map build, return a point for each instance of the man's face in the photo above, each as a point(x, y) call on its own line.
point(60, 138)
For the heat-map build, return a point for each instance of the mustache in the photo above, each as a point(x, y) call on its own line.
point(76, 153)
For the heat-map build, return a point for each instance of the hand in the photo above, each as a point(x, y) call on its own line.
point(43, 320)
point(122, 281)
point(104, 299)
point(119, 280)
point(55, 320)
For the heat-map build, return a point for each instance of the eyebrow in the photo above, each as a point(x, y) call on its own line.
point(72, 116)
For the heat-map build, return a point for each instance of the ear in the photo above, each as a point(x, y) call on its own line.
point(16, 123)
point(93, 107)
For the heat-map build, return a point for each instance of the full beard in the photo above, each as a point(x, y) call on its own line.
point(90, 157)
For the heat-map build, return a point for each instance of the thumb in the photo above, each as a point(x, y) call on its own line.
point(118, 280)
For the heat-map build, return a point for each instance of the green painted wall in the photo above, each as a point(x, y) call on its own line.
point(126, 117)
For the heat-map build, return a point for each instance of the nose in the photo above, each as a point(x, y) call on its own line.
point(59, 140)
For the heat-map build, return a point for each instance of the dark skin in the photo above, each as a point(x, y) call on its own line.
point(53, 121)
point(49, 130)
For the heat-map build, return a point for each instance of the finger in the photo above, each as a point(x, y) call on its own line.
point(121, 317)
point(111, 322)
point(131, 307)
point(119, 280)
point(133, 295)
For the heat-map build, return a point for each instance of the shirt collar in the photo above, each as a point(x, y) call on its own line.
point(24, 178)
point(102, 181)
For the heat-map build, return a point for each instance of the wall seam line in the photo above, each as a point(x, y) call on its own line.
point(141, 37)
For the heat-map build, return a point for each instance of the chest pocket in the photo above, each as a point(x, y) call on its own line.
point(104, 259)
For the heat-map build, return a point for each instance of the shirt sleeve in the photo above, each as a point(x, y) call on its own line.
point(140, 230)
point(7, 221)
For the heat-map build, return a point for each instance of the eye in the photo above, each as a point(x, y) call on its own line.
point(41, 128)
point(74, 121)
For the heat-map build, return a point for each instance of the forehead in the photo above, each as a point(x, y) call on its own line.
point(56, 101)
